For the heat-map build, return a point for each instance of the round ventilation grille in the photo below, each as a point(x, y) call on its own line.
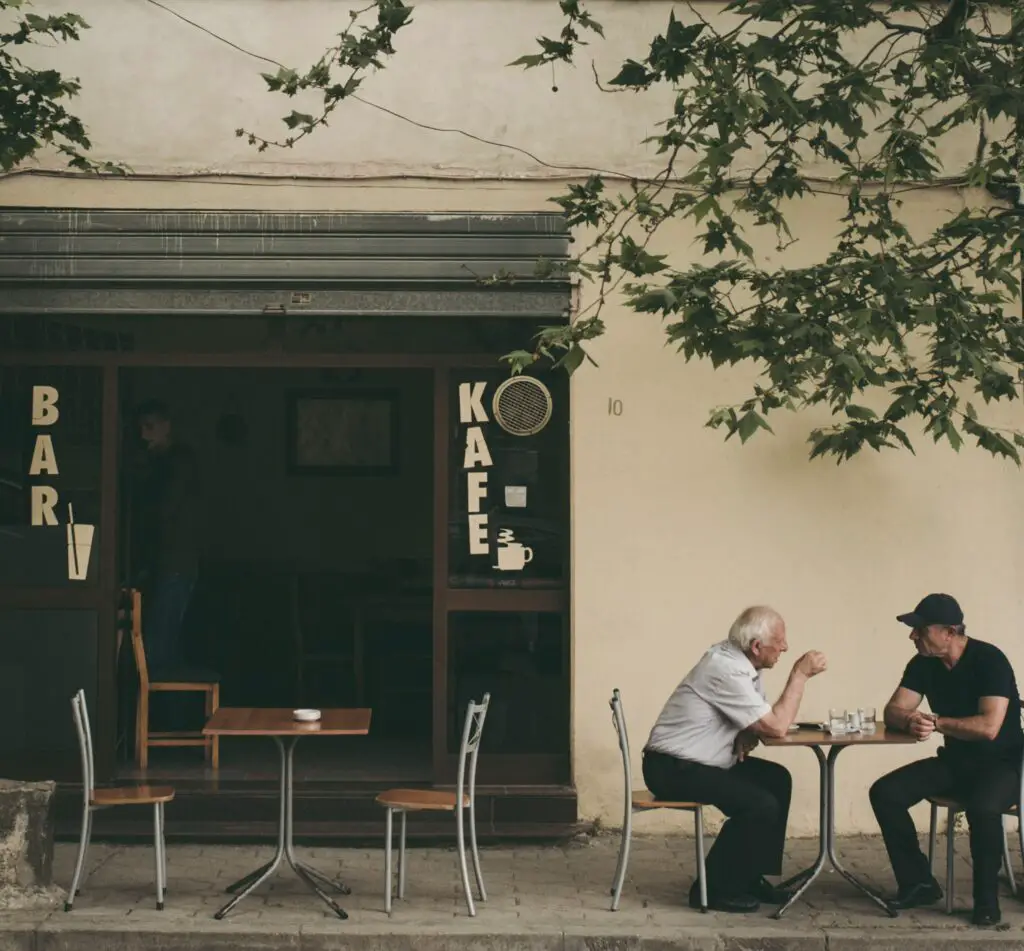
point(522, 406)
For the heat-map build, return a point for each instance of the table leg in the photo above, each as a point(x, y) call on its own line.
point(833, 755)
point(310, 876)
point(824, 824)
point(250, 882)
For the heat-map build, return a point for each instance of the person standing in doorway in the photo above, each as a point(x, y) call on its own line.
point(170, 555)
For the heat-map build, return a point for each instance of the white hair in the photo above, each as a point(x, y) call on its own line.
point(758, 623)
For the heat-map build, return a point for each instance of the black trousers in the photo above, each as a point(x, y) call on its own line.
point(987, 789)
point(754, 794)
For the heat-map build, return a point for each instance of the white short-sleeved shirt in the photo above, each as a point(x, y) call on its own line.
point(717, 700)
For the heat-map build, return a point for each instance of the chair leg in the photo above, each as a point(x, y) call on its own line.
point(460, 834)
point(388, 832)
point(1008, 863)
point(933, 833)
point(620, 868)
point(476, 852)
point(158, 849)
point(401, 854)
point(142, 720)
point(950, 855)
point(83, 847)
point(702, 875)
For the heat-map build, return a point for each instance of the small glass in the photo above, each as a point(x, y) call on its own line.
point(868, 721)
point(853, 721)
point(837, 722)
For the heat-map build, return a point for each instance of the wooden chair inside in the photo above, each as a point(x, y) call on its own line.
point(183, 681)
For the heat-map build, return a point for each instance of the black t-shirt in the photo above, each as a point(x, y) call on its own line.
point(982, 671)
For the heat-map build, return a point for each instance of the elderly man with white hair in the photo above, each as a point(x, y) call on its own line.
point(698, 750)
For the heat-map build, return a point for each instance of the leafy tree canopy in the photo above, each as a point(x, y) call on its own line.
point(773, 101)
point(33, 102)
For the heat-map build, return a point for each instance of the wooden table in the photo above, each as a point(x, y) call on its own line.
point(815, 740)
point(286, 732)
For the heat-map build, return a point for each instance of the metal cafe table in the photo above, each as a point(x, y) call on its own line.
point(815, 740)
point(285, 731)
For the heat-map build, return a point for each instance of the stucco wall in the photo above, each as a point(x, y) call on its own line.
point(676, 531)
point(165, 97)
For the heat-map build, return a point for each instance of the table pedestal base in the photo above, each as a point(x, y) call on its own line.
point(827, 839)
point(315, 880)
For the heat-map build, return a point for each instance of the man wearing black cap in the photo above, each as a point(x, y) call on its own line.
point(972, 693)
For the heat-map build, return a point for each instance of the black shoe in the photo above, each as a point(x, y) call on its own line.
point(986, 915)
point(730, 903)
point(916, 896)
point(772, 894)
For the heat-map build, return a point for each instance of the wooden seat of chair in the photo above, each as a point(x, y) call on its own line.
point(951, 802)
point(643, 799)
point(132, 795)
point(438, 800)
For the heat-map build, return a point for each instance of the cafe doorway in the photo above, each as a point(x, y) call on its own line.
point(314, 540)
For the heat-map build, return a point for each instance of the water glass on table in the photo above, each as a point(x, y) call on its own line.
point(868, 721)
point(837, 723)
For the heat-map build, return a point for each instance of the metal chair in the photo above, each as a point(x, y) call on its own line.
point(404, 801)
point(954, 806)
point(641, 800)
point(94, 799)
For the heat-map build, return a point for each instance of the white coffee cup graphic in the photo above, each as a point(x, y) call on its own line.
point(79, 539)
point(514, 556)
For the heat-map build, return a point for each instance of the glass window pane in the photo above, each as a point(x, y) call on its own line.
point(50, 424)
point(521, 659)
point(508, 493)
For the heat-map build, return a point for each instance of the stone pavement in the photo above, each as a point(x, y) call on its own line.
point(541, 898)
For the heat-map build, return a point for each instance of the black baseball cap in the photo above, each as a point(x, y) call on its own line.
point(934, 609)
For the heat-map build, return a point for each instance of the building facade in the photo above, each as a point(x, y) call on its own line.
point(209, 258)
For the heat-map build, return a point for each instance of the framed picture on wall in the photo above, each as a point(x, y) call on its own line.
point(343, 432)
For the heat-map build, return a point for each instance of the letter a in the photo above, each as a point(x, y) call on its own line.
point(44, 405)
point(44, 459)
point(477, 453)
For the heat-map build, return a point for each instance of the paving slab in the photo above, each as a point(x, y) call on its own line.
point(540, 898)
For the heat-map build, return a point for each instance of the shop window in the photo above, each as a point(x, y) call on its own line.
point(521, 659)
point(508, 485)
point(50, 425)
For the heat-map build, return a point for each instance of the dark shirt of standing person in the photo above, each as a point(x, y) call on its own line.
point(171, 500)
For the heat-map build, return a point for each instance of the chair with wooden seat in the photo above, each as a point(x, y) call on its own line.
point(953, 807)
point(94, 799)
point(643, 801)
point(404, 801)
point(185, 680)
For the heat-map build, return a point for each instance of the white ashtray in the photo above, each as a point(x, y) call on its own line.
point(306, 716)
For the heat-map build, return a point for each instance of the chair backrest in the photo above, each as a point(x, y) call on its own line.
point(619, 722)
point(80, 712)
point(138, 648)
point(469, 748)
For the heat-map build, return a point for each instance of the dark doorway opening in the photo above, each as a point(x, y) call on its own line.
point(315, 544)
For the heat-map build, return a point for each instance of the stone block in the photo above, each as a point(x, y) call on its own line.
point(26, 835)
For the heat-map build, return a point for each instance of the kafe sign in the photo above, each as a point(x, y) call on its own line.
point(44, 498)
point(476, 463)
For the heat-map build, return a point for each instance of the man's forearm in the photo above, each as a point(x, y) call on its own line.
point(788, 704)
point(972, 729)
point(898, 718)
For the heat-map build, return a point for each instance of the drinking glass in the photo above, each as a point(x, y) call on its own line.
point(837, 722)
point(868, 723)
point(853, 721)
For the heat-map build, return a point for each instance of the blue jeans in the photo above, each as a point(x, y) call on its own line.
point(163, 618)
point(164, 615)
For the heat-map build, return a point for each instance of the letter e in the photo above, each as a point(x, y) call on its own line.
point(478, 535)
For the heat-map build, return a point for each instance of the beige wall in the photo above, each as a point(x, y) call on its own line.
point(165, 97)
point(676, 531)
